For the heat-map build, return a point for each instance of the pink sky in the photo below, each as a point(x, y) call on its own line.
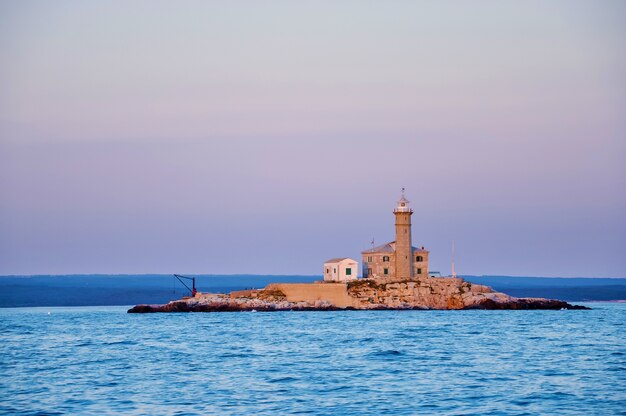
point(266, 137)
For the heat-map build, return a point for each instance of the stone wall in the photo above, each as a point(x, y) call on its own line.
point(420, 265)
point(377, 264)
point(335, 293)
point(249, 293)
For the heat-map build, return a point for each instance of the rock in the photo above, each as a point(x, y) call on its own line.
point(526, 304)
point(144, 309)
point(367, 294)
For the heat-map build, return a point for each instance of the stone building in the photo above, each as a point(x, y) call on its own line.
point(341, 270)
point(397, 258)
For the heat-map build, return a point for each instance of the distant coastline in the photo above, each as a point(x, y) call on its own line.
point(101, 290)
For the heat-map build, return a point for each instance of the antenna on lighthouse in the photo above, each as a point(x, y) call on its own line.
point(453, 271)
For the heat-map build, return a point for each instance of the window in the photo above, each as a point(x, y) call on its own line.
point(419, 271)
point(348, 271)
point(369, 259)
point(334, 270)
point(369, 272)
point(419, 258)
point(385, 258)
point(327, 271)
point(385, 271)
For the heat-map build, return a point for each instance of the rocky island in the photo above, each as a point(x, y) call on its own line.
point(363, 294)
point(395, 276)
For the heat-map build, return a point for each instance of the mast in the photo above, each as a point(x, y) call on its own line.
point(453, 271)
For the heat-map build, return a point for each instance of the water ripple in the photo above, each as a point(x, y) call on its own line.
point(96, 361)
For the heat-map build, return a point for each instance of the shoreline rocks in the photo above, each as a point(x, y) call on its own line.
point(527, 304)
point(363, 294)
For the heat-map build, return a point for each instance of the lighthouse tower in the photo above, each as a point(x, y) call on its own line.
point(404, 249)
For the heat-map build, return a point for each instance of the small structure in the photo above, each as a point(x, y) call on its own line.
point(341, 269)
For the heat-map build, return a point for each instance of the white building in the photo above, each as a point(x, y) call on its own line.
point(340, 270)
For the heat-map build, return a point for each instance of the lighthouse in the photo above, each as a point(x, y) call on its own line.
point(397, 259)
point(404, 248)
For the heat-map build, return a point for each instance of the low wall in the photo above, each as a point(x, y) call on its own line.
point(447, 280)
point(335, 293)
point(249, 293)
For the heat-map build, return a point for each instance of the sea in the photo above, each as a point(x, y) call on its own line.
point(101, 360)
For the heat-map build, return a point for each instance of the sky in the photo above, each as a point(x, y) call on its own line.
point(266, 137)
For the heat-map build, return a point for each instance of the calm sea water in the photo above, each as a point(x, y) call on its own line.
point(99, 360)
